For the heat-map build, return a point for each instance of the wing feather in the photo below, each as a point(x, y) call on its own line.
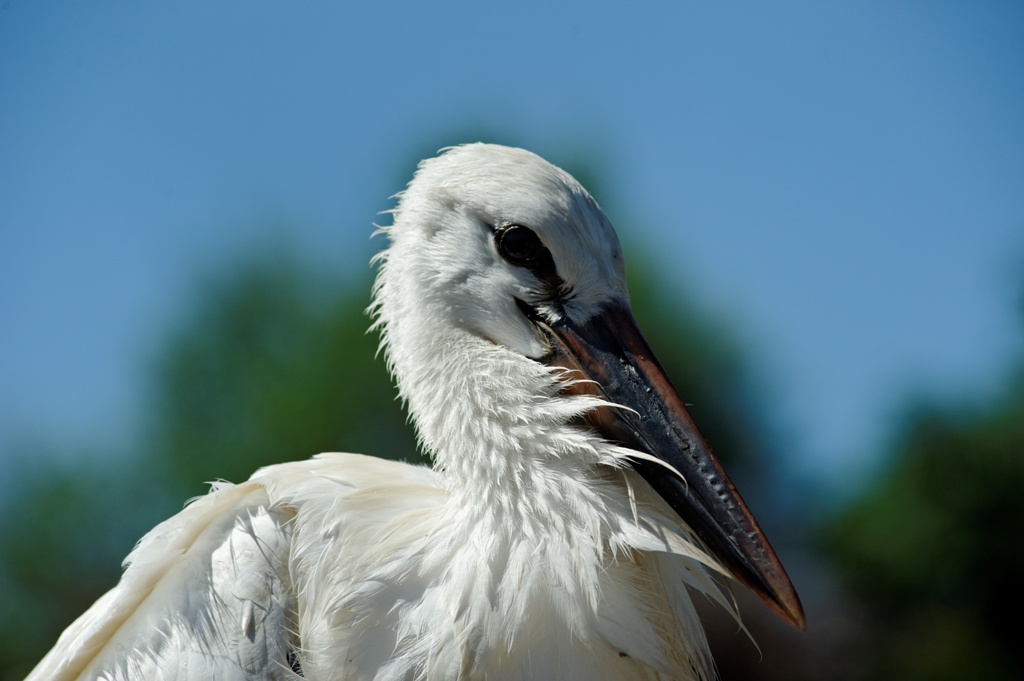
point(205, 594)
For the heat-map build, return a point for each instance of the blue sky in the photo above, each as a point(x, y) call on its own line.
point(844, 184)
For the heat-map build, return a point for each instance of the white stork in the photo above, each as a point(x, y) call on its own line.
point(572, 506)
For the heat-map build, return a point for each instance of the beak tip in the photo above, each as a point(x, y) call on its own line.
point(768, 580)
point(786, 605)
point(794, 615)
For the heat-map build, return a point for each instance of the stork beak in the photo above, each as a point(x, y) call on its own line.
point(610, 351)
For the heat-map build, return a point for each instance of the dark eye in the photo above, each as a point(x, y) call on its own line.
point(518, 244)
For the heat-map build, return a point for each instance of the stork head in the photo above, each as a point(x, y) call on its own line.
point(495, 244)
point(487, 231)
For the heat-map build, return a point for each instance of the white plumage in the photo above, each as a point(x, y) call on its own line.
point(555, 539)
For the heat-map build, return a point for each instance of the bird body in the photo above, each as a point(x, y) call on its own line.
point(549, 540)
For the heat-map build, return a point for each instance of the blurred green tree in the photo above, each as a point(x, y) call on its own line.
point(933, 548)
point(274, 363)
point(62, 547)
